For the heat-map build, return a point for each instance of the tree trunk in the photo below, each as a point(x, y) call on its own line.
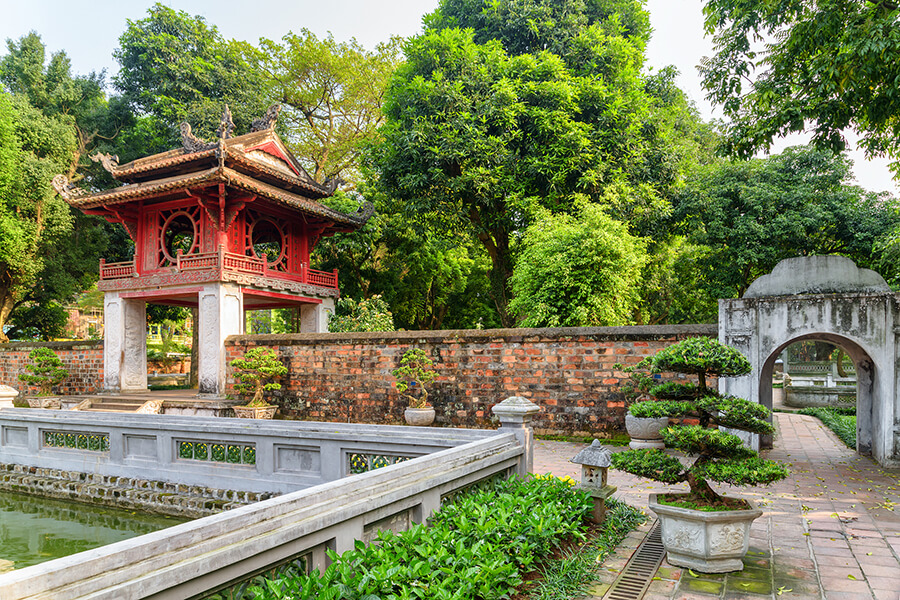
point(7, 303)
point(701, 489)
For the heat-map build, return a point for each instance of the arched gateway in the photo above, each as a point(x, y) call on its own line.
point(825, 298)
point(222, 226)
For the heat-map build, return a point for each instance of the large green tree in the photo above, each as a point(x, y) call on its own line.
point(749, 215)
point(790, 65)
point(54, 107)
point(331, 95)
point(535, 105)
point(174, 67)
point(34, 220)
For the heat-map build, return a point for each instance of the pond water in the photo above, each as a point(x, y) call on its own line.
point(34, 530)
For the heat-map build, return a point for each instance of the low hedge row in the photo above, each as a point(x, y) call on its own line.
point(478, 547)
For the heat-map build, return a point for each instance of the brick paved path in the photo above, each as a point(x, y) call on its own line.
point(831, 530)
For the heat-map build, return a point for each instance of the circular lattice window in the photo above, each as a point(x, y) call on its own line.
point(267, 238)
point(179, 233)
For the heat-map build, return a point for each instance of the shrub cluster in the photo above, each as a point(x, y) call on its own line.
point(721, 456)
point(477, 547)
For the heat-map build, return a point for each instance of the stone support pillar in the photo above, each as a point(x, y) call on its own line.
point(515, 415)
point(221, 314)
point(124, 344)
point(314, 317)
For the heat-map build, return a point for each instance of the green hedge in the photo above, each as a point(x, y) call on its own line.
point(477, 547)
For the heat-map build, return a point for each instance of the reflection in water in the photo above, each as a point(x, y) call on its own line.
point(34, 530)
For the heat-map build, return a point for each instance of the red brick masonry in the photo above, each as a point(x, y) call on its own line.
point(568, 372)
point(83, 359)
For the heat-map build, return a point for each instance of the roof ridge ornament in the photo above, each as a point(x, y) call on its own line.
point(266, 121)
point(109, 161)
point(226, 127)
point(364, 213)
point(190, 142)
point(331, 184)
point(65, 189)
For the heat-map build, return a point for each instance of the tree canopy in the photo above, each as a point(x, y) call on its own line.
point(487, 125)
point(331, 94)
point(749, 215)
point(174, 67)
point(578, 271)
point(792, 65)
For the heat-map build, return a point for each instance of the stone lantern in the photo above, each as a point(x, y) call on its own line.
point(595, 462)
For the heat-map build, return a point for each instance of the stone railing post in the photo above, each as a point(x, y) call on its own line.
point(515, 415)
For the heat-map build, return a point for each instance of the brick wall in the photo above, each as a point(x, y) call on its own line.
point(83, 359)
point(568, 372)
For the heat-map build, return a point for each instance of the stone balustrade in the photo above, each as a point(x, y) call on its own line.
point(207, 554)
point(229, 454)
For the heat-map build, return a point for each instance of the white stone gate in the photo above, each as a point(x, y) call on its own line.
point(823, 298)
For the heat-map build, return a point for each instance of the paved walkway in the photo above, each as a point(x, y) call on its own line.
point(830, 531)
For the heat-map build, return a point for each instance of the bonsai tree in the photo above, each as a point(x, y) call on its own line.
point(416, 370)
point(45, 371)
point(720, 456)
point(255, 372)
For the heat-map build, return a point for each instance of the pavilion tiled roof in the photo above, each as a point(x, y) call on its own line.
point(228, 161)
point(136, 191)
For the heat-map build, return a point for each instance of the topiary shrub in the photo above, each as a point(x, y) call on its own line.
point(45, 371)
point(720, 456)
point(255, 372)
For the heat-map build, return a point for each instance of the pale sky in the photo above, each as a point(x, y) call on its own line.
point(89, 33)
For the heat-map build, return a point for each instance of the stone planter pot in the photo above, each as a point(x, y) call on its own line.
point(255, 412)
point(710, 542)
point(644, 431)
point(43, 402)
point(419, 416)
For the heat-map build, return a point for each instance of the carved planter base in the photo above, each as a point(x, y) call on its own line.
point(419, 416)
point(255, 412)
point(644, 431)
point(44, 402)
point(709, 542)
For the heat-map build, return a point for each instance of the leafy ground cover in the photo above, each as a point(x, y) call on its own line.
point(842, 421)
point(481, 546)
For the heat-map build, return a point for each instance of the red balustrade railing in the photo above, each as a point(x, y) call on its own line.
point(228, 262)
point(197, 262)
point(244, 264)
point(322, 278)
point(119, 270)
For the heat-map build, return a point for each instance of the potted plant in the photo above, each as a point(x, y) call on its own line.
point(416, 371)
point(644, 430)
point(702, 530)
point(45, 371)
point(255, 372)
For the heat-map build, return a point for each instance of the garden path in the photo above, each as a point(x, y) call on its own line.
point(830, 531)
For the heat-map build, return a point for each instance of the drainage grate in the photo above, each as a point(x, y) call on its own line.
point(635, 578)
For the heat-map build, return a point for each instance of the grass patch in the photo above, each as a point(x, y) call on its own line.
point(842, 421)
point(571, 575)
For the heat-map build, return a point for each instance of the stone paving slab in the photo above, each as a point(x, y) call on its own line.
point(831, 531)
